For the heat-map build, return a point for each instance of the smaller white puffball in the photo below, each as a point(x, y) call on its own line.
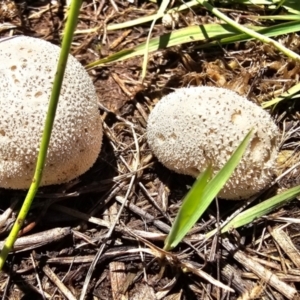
point(194, 127)
point(27, 70)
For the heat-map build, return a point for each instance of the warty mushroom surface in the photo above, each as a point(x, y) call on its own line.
point(27, 69)
point(191, 128)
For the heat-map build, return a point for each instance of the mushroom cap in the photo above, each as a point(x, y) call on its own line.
point(27, 70)
point(193, 127)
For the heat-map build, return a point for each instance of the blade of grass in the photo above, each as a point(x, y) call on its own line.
point(161, 10)
point(259, 210)
point(66, 45)
point(182, 7)
point(257, 2)
point(292, 7)
point(268, 3)
point(146, 19)
point(289, 94)
point(186, 216)
point(223, 33)
point(276, 17)
point(185, 35)
point(279, 29)
point(201, 195)
point(250, 32)
point(280, 4)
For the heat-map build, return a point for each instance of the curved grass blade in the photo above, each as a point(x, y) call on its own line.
point(61, 65)
point(186, 216)
point(254, 34)
point(268, 3)
point(289, 94)
point(201, 195)
point(187, 5)
point(259, 210)
point(177, 37)
point(257, 2)
point(223, 33)
point(146, 19)
point(276, 17)
point(161, 10)
point(279, 29)
point(292, 7)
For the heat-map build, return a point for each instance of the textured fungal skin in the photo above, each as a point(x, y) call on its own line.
point(27, 69)
point(197, 126)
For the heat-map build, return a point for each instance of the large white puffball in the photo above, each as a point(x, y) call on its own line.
point(191, 128)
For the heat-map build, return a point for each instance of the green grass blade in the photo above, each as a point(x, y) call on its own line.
point(200, 197)
point(186, 216)
point(66, 45)
point(250, 32)
point(271, 3)
point(276, 17)
point(259, 210)
point(292, 7)
point(146, 19)
point(289, 94)
point(289, 6)
point(280, 29)
point(161, 10)
point(177, 37)
point(223, 33)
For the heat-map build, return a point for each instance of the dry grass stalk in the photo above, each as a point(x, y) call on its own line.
point(58, 283)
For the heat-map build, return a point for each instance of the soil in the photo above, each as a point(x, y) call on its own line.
point(66, 250)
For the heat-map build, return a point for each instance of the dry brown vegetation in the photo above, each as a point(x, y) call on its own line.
point(67, 229)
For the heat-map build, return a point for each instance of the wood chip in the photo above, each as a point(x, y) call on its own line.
point(286, 244)
point(117, 274)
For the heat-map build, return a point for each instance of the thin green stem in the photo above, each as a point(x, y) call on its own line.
point(66, 45)
point(250, 32)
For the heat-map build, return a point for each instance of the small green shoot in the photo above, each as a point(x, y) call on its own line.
point(201, 195)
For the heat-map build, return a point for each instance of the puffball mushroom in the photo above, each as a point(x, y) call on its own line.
point(27, 69)
point(191, 128)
